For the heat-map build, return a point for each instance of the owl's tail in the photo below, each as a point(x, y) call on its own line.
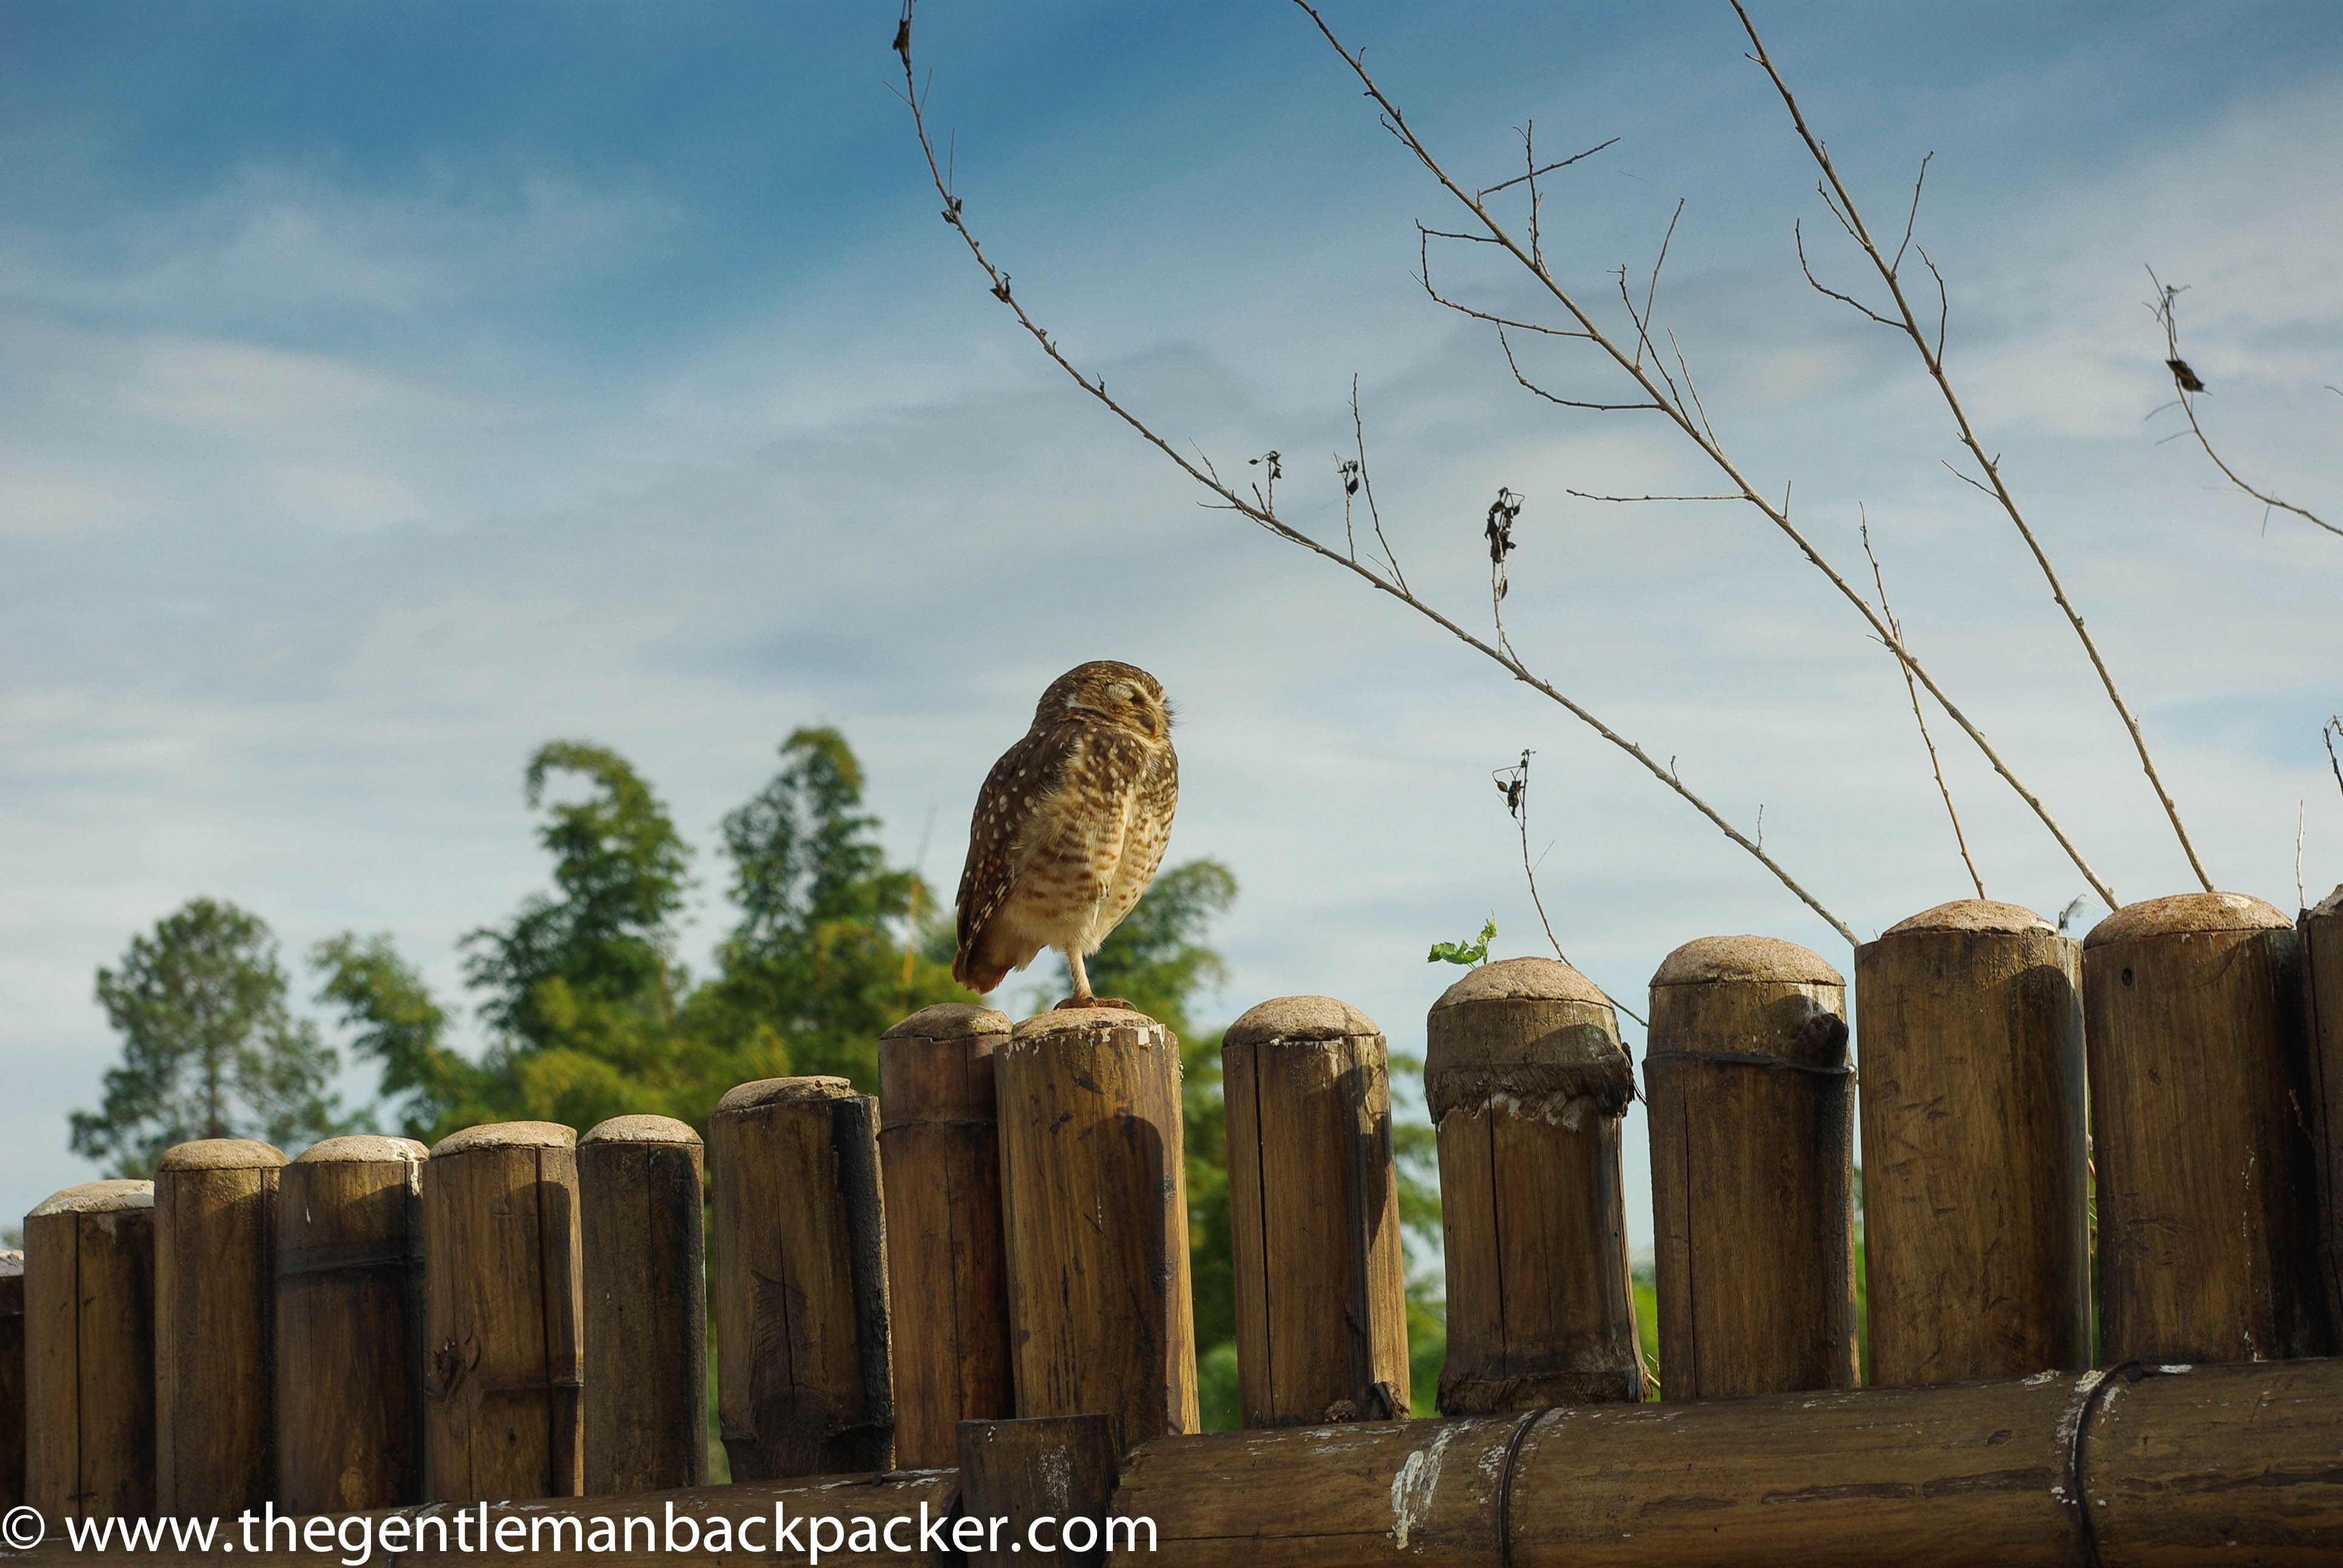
point(978, 978)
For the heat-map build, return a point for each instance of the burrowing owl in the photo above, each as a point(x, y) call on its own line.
point(1069, 827)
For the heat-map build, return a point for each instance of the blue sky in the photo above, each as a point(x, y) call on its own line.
point(387, 389)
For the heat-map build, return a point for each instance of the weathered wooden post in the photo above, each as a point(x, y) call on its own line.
point(802, 1385)
point(2207, 1221)
point(1526, 1082)
point(1020, 1474)
point(646, 1275)
point(215, 1267)
point(940, 1159)
point(502, 1359)
point(1313, 1216)
point(89, 1352)
point(1976, 1164)
point(2322, 989)
point(349, 1326)
point(1095, 1193)
point(1753, 1189)
point(11, 1377)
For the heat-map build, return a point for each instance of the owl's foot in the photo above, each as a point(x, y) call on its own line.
point(1075, 1003)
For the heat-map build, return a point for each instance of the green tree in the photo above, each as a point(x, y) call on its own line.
point(431, 1089)
point(823, 958)
point(208, 1048)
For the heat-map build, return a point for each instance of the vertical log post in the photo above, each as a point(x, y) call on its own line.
point(803, 1384)
point(1976, 1164)
point(646, 1275)
point(1753, 1186)
point(1015, 1475)
point(2322, 987)
point(1095, 1192)
point(214, 1290)
point(502, 1359)
point(1526, 1082)
point(89, 1352)
point(940, 1159)
point(11, 1377)
point(1313, 1216)
point(349, 1326)
point(2207, 1220)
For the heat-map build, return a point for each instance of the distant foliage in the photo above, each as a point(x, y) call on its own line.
point(208, 1048)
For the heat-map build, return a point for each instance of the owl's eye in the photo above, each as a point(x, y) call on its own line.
point(1119, 690)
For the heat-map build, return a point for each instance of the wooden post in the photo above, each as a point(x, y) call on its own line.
point(11, 1377)
point(1752, 1190)
point(940, 1159)
point(1527, 1081)
point(1039, 1485)
point(89, 1352)
point(349, 1326)
point(2207, 1220)
point(215, 1267)
point(1314, 1212)
point(502, 1361)
point(645, 1272)
point(802, 1386)
point(1976, 1168)
point(2322, 987)
point(1095, 1191)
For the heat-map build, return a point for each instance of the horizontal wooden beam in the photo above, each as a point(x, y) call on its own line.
point(2139, 1466)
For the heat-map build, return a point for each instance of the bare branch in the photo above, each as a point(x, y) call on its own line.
point(1909, 220)
point(1397, 123)
point(1569, 402)
point(2185, 382)
point(2327, 732)
point(1798, 233)
point(1837, 196)
point(1913, 692)
point(1590, 495)
point(1549, 168)
point(1651, 292)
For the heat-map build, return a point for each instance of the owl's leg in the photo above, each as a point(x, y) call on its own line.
point(1083, 997)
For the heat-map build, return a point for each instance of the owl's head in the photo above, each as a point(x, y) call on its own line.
point(1107, 691)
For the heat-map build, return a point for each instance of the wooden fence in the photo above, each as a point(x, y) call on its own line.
point(970, 1296)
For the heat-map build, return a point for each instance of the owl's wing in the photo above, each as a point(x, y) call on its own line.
point(1028, 773)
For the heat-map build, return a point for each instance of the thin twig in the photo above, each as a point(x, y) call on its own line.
point(1844, 207)
point(1913, 692)
point(1549, 168)
point(2329, 732)
point(1393, 586)
point(1396, 123)
point(1514, 784)
point(1590, 495)
point(2185, 383)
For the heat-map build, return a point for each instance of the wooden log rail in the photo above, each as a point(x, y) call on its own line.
point(2141, 1466)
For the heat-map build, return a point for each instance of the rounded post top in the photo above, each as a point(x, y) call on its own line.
point(2331, 905)
point(2186, 914)
point(1981, 915)
point(221, 1154)
point(950, 1021)
point(1299, 1017)
point(641, 1130)
point(98, 1197)
point(506, 1135)
point(1745, 960)
point(1522, 980)
point(11, 1263)
point(1078, 1020)
point(362, 1149)
point(782, 1090)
